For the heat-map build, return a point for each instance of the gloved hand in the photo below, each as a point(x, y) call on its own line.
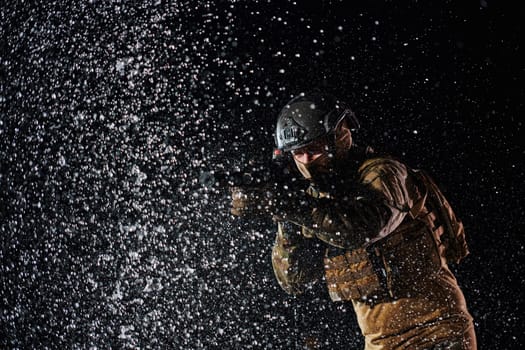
point(250, 202)
point(280, 204)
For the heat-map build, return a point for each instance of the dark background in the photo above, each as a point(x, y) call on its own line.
point(111, 110)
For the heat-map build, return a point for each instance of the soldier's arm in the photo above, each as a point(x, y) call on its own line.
point(371, 209)
point(297, 260)
point(351, 222)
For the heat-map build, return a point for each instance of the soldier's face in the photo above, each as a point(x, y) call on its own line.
point(313, 160)
point(311, 152)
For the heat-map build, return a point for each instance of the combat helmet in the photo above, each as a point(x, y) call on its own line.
point(308, 117)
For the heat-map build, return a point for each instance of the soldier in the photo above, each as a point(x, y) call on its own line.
point(380, 234)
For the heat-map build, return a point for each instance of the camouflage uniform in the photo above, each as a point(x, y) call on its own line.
point(369, 240)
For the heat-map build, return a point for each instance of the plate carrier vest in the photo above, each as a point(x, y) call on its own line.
point(392, 268)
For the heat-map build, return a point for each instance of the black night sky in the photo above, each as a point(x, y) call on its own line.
point(111, 110)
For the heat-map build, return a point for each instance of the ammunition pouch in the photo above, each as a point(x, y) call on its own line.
point(352, 276)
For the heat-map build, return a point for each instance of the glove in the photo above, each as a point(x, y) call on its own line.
point(253, 202)
point(239, 202)
point(281, 205)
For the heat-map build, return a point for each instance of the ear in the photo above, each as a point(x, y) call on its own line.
point(343, 135)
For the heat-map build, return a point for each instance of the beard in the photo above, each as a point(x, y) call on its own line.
point(320, 172)
point(332, 171)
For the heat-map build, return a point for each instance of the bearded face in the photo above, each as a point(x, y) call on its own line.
point(313, 160)
point(317, 161)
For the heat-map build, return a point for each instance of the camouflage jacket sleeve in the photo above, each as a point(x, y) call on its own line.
point(297, 258)
point(368, 211)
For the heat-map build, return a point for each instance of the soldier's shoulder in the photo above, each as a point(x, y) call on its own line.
point(381, 164)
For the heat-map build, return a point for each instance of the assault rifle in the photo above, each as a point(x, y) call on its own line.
point(254, 174)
